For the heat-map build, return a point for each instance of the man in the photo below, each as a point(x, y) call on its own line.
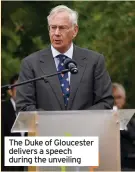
point(127, 136)
point(8, 116)
point(90, 88)
point(119, 95)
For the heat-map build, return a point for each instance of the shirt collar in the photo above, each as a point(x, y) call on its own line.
point(68, 53)
point(13, 103)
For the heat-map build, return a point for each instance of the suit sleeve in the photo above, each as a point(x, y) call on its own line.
point(102, 92)
point(26, 95)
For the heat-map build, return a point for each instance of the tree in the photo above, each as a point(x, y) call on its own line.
point(109, 29)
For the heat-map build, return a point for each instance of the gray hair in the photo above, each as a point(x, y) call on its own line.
point(73, 15)
point(119, 86)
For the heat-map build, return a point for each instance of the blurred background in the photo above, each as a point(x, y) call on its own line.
point(106, 27)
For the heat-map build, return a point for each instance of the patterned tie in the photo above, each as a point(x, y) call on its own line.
point(64, 80)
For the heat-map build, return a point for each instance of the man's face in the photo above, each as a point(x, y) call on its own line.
point(119, 98)
point(61, 31)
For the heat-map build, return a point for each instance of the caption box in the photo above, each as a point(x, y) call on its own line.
point(51, 151)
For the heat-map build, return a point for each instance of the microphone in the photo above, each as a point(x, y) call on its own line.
point(71, 65)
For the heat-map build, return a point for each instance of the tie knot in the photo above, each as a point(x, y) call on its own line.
point(61, 57)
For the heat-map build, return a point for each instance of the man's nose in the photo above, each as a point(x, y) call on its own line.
point(57, 31)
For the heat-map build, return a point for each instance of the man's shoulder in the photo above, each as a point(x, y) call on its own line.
point(35, 55)
point(87, 51)
point(5, 103)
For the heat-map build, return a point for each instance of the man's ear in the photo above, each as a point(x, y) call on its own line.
point(76, 29)
point(10, 92)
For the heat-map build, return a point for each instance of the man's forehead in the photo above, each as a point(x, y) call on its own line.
point(118, 91)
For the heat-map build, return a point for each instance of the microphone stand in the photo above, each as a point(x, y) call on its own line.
point(7, 87)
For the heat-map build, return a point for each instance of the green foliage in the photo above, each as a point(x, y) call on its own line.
point(107, 27)
point(10, 63)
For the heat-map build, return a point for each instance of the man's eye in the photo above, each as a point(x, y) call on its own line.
point(53, 27)
point(62, 28)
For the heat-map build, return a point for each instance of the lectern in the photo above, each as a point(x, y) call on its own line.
point(102, 123)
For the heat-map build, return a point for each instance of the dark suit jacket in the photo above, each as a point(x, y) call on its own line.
point(91, 88)
point(128, 146)
point(7, 120)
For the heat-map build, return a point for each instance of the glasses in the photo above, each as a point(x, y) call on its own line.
point(62, 29)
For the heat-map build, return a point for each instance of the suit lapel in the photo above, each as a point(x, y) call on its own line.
point(75, 80)
point(48, 67)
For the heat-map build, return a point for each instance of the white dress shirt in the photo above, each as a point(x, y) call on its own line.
point(69, 54)
point(13, 103)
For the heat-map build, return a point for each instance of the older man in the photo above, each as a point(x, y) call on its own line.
point(127, 136)
point(8, 116)
point(90, 88)
point(119, 94)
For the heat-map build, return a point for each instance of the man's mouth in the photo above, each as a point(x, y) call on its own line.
point(57, 41)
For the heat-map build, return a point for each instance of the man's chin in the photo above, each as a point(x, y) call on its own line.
point(58, 47)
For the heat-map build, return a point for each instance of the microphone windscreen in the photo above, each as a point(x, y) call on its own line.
point(67, 61)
